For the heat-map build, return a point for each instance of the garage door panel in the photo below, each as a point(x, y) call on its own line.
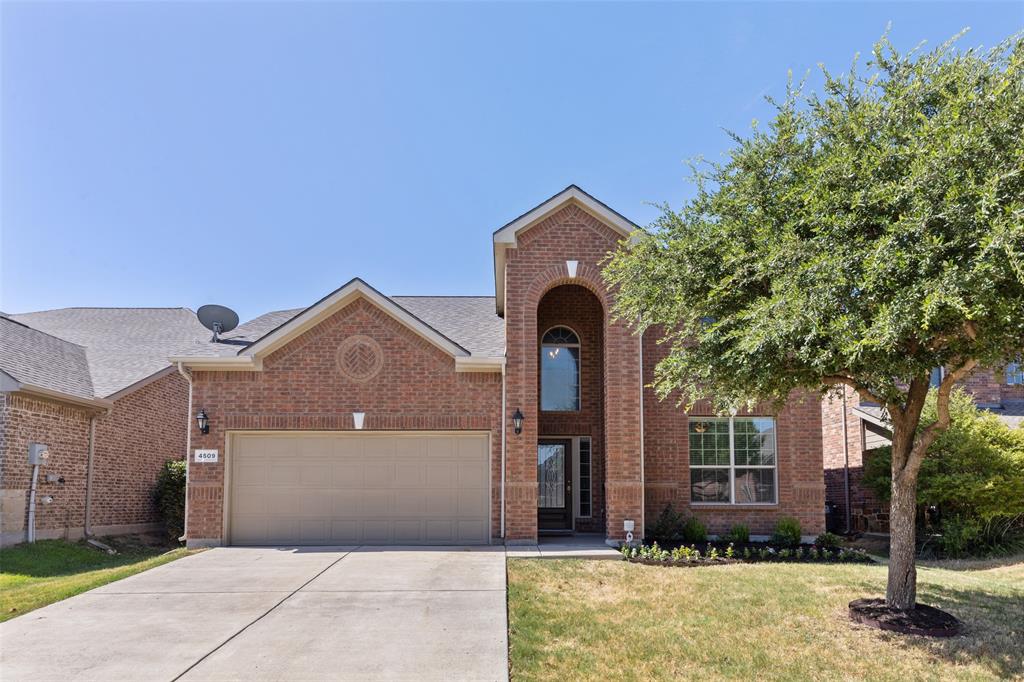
point(347, 475)
point(416, 488)
point(411, 503)
point(441, 475)
point(346, 503)
point(378, 475)
point(282, 475)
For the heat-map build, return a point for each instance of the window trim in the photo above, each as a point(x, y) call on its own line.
point(579, 368)
point(732, 461)
point(1014, 377)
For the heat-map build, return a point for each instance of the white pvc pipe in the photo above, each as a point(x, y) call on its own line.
point(32, 504)
point(188, 448)
point(504, 419)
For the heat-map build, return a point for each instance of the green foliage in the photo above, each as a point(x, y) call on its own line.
point(694, 530)
point(872, 231)
point(787, 532)
point(828, 541)
point(169, 497)
point(974, 475)
point(668, 527)
point(739, 533)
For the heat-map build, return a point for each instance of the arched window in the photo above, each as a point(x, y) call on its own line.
point(560, 370)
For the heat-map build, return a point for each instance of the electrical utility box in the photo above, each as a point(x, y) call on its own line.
point(38, 453)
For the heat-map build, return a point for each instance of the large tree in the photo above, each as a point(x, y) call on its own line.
point(865, 236)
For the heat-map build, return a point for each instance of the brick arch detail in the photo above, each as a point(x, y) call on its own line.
point(587, 277)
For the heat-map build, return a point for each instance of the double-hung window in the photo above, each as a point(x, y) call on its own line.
point(1015, 373)
point(733, 460)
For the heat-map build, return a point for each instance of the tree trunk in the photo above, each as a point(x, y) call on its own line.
point(901, 590)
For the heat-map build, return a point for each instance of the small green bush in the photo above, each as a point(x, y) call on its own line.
point(694, 530)
point(787, 532)
point(973, 475)
point(828, 541)
point(169, 497)
point(668, 527)
point(739, 534)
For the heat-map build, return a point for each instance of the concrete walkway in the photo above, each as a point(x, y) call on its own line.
point(278, 613)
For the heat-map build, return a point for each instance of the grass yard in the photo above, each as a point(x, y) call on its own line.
point(574, 620)
point(47, 571)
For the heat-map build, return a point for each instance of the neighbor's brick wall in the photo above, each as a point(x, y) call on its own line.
point(867, 512)
point(301, 388)
point(577, 308)
point(801, 492)
point(65, 429)
point(145, 429)
point(534, 267)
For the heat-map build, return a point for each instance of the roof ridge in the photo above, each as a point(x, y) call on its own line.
point(40, 331)
point(444, 295)
point(105, 307)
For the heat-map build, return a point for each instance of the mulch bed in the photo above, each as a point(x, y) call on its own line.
point(699, 562)
point(923, 620)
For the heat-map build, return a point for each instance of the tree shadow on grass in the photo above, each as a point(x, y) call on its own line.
point(993, 634)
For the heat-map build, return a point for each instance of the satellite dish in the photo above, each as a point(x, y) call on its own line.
point(217, 319)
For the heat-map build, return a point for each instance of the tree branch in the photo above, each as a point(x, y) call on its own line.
point(928, 435)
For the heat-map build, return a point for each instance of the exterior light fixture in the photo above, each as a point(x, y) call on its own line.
point(203, 420)
point(517, 421)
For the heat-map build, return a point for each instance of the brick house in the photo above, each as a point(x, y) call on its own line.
point(845, 451)
point(95, 386)
point(365, 418)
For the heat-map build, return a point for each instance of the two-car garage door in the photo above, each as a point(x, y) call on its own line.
point(359, 488)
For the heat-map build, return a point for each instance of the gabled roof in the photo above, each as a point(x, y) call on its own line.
point(463, 326)
point(506, 236)
point(39, 362)
point(123, 346)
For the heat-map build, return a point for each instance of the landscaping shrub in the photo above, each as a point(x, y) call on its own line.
point(169, 497)
point(739, 533)
point(694, 530)
point(828, 541)
point(787, 532)
point(668, 527)
point(973, 478)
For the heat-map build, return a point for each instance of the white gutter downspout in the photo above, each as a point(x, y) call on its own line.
point(87, 531)
point(643, 492)
point(504, 420)
point(188, 447)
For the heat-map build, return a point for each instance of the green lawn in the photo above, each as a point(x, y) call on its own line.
point(35, 575)
point(574, 620)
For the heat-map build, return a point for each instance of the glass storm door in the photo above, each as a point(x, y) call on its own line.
point(554, 485)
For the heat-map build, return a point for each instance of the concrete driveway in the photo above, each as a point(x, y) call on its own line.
point(278, 613)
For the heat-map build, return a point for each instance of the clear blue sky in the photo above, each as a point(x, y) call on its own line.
point(261, 154)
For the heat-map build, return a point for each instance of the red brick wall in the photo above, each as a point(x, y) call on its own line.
point(577, 308)
point(146, 428)
point(142, 430)
point(65, 429)
point(534, 267)
point(801, 491)
point(301, 388)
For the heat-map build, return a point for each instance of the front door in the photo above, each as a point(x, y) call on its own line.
point(554, 484)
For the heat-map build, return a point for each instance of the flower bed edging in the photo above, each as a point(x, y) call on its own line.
point(653, 555)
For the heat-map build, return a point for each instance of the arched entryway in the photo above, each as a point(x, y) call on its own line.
point(570, 411)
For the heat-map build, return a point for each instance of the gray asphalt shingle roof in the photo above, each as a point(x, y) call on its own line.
point(469, 321)
point(122, 345)
point(39, 359)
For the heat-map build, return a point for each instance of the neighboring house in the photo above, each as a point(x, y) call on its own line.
point(867, 427)
point(365, 418)
point(95, 385)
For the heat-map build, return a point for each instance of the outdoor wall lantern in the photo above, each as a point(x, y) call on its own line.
point(203, 420)
point(517, 421)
